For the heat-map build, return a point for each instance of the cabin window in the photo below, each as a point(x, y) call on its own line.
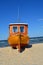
point(15, 29)
point(22, 29)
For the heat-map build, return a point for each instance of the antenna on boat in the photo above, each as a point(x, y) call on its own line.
point(18, 15)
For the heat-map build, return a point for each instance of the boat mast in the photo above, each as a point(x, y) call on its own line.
point(18, 15)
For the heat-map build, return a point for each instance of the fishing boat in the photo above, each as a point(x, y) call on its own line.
point(18, 35)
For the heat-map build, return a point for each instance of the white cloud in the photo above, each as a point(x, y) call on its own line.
point(40, 19)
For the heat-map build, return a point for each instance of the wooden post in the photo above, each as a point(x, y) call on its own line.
point(18, 45)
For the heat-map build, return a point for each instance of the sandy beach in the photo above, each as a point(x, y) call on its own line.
point(30, 56)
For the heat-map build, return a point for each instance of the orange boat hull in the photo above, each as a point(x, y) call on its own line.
point(18, 41)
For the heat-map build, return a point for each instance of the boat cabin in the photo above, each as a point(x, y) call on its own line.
point(18, 28)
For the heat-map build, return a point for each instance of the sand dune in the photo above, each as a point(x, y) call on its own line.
point(30, 56)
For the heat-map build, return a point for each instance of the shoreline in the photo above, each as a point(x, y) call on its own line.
point(30, 56)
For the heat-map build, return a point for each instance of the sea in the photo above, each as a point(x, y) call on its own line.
point(33, 40)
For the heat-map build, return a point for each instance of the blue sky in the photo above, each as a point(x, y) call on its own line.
point(30, 11)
